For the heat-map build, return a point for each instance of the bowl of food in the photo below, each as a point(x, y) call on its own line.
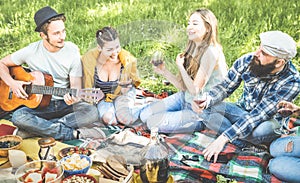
point(68, 151)
point(76, 164)
point(79, 178)
point(9, 142)
point(40, 171)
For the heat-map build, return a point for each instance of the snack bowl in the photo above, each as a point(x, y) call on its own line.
point(79, 178)
point(68, 151)
point(9, 142)
point(76, 164)
point(40, 171)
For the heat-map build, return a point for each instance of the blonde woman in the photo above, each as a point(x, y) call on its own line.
point(201, 66)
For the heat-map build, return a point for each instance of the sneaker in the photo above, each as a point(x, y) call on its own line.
point(93, 133)
point(258, 148)
point(24, 134)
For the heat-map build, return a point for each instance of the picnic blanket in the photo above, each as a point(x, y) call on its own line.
point(188, 165)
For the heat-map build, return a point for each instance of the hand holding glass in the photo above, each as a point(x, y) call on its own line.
point(200, 98)
point(284, 128)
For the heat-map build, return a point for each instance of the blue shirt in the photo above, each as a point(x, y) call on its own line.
point(260, 95)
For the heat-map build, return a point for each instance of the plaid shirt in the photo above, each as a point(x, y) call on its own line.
point(260, 95)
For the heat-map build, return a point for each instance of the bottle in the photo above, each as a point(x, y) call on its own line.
point(155, 162)
point(46, 151)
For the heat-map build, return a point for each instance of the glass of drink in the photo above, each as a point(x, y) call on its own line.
point(125, 81)
point(200, 97)
point(157, 58)
point(284, 122)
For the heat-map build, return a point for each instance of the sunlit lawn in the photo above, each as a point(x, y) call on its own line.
point(146, 26)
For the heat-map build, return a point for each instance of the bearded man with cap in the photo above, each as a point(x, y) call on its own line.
point(65, 117)
point(268, 77)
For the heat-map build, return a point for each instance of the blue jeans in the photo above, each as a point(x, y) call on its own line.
point(123, 108)
point(171, 115)
point(58, 120)
point(104, 107)
point(221, 116)
point(127, 112)
point(286, 162)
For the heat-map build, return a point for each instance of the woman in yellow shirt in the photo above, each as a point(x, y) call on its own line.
point(103, 67)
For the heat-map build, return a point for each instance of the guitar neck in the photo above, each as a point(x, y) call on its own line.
point(49, 90)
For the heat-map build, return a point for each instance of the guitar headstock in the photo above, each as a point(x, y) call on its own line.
point(91, 95)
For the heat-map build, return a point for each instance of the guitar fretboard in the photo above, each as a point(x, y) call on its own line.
point(49, 90)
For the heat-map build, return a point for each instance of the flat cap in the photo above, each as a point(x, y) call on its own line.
point(278, 44)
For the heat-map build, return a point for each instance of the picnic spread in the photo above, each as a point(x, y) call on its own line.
point(186, 161)
point(185, 154)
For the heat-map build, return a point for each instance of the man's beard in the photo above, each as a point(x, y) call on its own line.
point(261, 70)
point(49, 42)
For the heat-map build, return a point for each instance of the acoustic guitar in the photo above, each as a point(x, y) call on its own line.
point(40, 90)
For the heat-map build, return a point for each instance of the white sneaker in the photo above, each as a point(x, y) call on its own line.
point(93, 133)
point(24, 134)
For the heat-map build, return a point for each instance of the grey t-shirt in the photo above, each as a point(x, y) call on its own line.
point(60, 65)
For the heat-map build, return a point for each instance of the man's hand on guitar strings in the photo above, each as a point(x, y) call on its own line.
point(71, 99)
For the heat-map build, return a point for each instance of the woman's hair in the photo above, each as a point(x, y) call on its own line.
point(211, 37)
point(106, 34)
point(44, 27)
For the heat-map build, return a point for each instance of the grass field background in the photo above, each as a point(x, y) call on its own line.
point(146, 26)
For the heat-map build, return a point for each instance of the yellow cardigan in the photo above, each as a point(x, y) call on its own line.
point(89, 60)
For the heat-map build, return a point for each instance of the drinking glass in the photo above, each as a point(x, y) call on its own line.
point(157, 58)
point(284, 122)
point(125, 81)
point(200, 97)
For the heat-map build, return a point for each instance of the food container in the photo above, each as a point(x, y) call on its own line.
point(13, 141)
point(76, 164)
point(79, 178)
point(40, 171)
point(68, 151)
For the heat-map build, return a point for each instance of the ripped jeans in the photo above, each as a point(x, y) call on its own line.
point(286, 162)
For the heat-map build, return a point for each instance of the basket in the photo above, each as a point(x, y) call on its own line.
point(16, 138)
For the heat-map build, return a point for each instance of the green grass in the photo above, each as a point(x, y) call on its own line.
point(146, 25)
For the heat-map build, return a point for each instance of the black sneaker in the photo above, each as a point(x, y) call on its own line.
point(258, 148)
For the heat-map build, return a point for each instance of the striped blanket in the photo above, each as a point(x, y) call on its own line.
point(188, 165)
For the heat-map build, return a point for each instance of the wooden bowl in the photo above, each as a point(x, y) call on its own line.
point(14, 138)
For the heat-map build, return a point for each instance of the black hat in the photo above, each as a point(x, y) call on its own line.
point(43, 15)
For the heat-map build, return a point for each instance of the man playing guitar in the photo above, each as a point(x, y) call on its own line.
point(66, 117)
